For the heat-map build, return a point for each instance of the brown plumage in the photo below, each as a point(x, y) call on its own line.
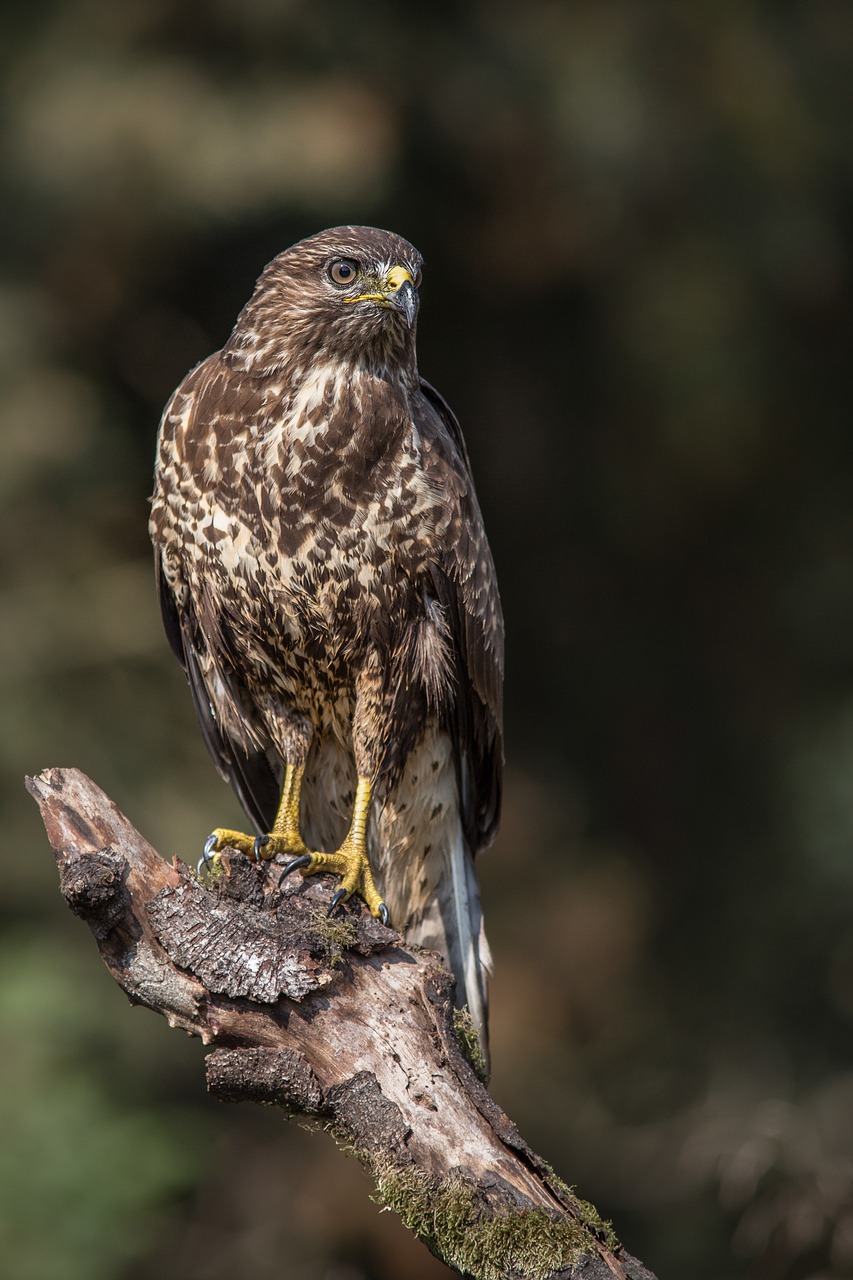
point(327, 584)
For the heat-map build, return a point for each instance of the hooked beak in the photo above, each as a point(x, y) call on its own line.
point(398, 292)
point(401, 294)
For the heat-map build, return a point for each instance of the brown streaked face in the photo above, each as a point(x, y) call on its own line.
point(351, 291)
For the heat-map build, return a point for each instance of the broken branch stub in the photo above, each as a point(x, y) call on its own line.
point(332, 1018)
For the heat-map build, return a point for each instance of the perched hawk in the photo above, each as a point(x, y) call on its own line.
point(326, 582)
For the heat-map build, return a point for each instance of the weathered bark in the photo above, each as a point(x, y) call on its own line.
point(335, 1019)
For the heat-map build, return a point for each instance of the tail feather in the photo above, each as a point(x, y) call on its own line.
point(466, 939)
point(423, 866)
point(452, 923)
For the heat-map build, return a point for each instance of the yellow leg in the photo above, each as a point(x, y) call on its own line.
point(285, 836)
point(350, 862)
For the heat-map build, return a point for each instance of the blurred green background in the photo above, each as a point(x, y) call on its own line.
point(636, 219)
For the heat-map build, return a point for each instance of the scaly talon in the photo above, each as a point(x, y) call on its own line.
point(350, 862)
point(222, 838)
point(337, 897)
point(285, 836)
point(303, 861)
point(207, 854)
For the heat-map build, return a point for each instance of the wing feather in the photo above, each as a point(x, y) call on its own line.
point(198, 633)
point(465, 584)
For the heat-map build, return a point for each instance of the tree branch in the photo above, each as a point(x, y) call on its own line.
point(334, 1019)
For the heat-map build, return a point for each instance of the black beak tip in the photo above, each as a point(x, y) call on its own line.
point(405, 300)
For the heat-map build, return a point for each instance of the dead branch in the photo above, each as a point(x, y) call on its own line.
point(334, 1019)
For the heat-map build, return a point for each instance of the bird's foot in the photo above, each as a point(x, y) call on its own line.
point(351, 863)
point(276, 842)
point(258, 848)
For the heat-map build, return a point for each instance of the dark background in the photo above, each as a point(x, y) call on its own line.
point(636, 219)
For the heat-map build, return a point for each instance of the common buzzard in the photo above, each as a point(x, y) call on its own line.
point(326, 582)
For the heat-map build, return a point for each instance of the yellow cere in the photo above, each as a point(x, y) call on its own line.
point(396, 277)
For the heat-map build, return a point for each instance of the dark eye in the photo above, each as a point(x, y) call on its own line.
point(343, 271)
point(419, 275)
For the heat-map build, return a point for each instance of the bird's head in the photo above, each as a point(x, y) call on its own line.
point(349, 293)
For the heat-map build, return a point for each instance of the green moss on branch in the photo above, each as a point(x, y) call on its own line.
point(528, 1244)
point(469, 1043)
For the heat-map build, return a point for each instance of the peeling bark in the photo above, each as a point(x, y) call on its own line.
point(334, 1019)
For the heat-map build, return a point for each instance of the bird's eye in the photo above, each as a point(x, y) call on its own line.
point(343, 271)
point(419, 275)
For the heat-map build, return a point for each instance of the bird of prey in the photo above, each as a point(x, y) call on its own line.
point(326, 582)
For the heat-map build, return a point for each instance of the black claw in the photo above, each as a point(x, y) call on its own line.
point(260, 843)
point(337, 898)
point(304, 860)
point(209, 846)
point(384, 914)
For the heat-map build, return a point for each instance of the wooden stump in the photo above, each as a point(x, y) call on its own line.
point(335, 1019)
